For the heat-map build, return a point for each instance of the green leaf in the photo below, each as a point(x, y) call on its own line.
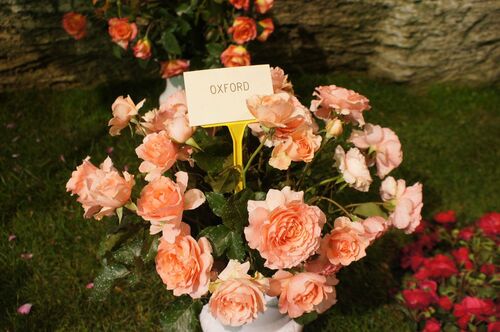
point(216, 201)
point(236, 249)
point(234, 214)
point(225, 181)
point(182, 315)
point(215, 49)
point(183, 8)
point(218, 237)
point(105, 280)
point(128, 252)
point(260, 196)
point(170, 43)
point(117, 51)
point(307, 318)
point(369, 210)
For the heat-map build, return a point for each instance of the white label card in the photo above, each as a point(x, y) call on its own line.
point(217, 96)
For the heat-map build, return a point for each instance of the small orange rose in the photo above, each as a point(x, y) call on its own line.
point(75, 24)
point(235, 56)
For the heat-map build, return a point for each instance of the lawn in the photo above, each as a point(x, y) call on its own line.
point(450, 141)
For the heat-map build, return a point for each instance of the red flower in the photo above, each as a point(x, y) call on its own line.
point(428, 286)
point(240, 4)
point(462, 257)
point(494, 327)
point(440, 266)
point(74, 24)
point(421, 227)
point(466, 233)
point(445, 303)
point(463, 321)
point(481, 309)
point(445, 217)
point(490, 224)
point(417, 298)
point(432, 325)
point(488, 269)
point(422, 273)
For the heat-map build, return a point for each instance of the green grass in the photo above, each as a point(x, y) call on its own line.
point(450, 140)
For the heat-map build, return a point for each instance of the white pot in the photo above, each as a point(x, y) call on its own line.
point(270, 320)
point(174, 84)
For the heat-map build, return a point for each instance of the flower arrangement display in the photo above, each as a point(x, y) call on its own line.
point(178, 35)
point(455, 279)
point(286, 234)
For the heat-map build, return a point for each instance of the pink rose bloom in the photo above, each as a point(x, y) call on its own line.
point(299, 146)
point(303, 292)
point(353, 167)
point(184, 265)
point(384, 142)
point(124, 110)
point(374, 227)
point(284, 229)
point(121, 31)
point(159, 154)
point(341, 101)
point(163, 201)
point(346, 243)
point(100, 190)
point(263, 6)
point(407, 201)
point(24, 309)
point(237, 298)
point(280, 81)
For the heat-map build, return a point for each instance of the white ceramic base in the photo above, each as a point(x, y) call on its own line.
point(174, 84)
point(269, 321)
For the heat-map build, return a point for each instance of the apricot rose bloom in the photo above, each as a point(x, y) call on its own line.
point(159, 153)
point(184, 265)
point(333, 100)
point(235, 56)
point(276, 110)
point(142, 49)
point(407, 202)
point(303, 292)
point(268, 28)
point(162, 202)
point(280, 81)
point(385, 143)
point(353, 167)
point(124, 110)
point(121, 31)
point(243, 30)
point(100, 190)
point(284, 229)
point(173, 67)
point(74, 24)
point(237, 298)
point(299, 146)
point(263, 6)
point(346, 243)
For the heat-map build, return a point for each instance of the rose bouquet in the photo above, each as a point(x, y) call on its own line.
point(177, 34)
point(295, 224)
point(455, 278)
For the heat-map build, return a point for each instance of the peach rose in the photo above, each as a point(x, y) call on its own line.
point(374, 227)
point(74, 24)
point(163, 201)
point(384, 142)
point(280, 81)
point(353, 167)
point(173, 68)
point(407, 201)
point(334, 128)
point(235, 56)
point(100, 190)
point(272, 111)
point(299, 146)
point(121, 31)
point(341, 101)
point(124, 110)
point(171, 117)
point(346, 242)
point(240, 4)
point(267, 26)
point(243, 29)
point(321, 265)
point(284, 229)
point(142, 49)
point(237, 298)
point(263, 6)
point(184, 265)
point(159, 154)
point(303, 292)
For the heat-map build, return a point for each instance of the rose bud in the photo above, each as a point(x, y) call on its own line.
point(142, 49)
point(334, 128)
point(268, 28)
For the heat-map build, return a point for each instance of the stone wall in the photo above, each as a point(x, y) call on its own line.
point(401, 40)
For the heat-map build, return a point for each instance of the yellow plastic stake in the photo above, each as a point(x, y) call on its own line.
point(237, 131)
